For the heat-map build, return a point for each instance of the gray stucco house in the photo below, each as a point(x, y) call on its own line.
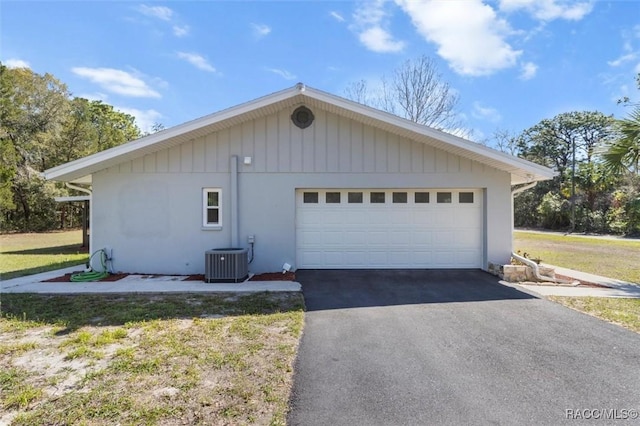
point(317, 180)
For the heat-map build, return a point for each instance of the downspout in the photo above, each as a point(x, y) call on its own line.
point(528, 262)
point(235, 226)
point(536, 271)
point(78, 188)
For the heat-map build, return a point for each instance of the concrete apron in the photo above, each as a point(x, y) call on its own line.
point(137, 284)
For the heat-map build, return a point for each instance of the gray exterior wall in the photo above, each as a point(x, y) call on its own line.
point(149, 211)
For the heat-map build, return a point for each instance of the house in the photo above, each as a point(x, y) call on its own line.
point(317, 181)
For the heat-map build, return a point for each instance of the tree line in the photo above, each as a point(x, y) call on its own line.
point(597, 157)
point(42, 126)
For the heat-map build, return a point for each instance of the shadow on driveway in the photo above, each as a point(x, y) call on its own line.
point(339, 289)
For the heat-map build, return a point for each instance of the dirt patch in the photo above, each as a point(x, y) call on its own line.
point(274, 276)
point(66, 278)
point(197, 277)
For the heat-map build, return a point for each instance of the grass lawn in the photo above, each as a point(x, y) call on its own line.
point(613, 258)
point(26, 254)
point(147, 359)
point(625, 312)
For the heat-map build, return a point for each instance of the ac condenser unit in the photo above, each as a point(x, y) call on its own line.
point(226, 265)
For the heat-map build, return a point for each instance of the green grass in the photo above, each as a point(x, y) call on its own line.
point(148, 359)
point(613, 258)
point(625, 312)
point(26, 254)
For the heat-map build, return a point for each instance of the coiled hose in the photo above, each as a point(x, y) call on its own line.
point(93, 275)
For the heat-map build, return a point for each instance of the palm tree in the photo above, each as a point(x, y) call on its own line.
point(624, 153)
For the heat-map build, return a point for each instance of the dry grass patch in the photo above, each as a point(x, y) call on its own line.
point(624, 312)
point(161, 359)
point(613, 258)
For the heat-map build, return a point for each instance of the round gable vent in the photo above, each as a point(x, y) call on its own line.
point(302, 117)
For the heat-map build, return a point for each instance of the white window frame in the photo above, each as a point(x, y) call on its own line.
point(205, 208)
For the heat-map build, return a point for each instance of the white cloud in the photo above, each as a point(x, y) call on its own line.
point(145, 119)
point(160, 12)
point(260, 30)
point(548, 10)
point(117, 81)
point(338, 17)
point(180, 31)
point(485, 113)
point(96, 96)
point(470, 38)
point(282, 73)
point(197, 61)
point(623, 59)
point(16, 63)
point(370, 24)
point(529, 70)
point(379, 40)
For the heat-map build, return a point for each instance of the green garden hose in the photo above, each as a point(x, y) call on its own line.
point(93, 275)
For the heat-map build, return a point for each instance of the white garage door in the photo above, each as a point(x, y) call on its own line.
point(400, 228)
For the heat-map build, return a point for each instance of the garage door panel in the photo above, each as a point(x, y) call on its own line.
point(389, 235)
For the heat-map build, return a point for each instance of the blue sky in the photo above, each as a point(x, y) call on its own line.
point(512, 62)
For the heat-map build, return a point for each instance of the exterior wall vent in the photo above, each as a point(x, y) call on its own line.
point(226, 265)
point(302, 117)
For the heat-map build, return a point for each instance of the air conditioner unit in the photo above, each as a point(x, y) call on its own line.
point(226, 265)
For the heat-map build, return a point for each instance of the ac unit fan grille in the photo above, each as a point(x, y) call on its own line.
point(226, 265)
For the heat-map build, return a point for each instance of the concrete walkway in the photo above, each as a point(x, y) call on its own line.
point(617, 288)
point(136, 284)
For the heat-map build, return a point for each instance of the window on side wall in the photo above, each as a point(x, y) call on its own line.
point(211, 213)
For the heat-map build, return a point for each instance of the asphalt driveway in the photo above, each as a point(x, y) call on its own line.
point(454, 347)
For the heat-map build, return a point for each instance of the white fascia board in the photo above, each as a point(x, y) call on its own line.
point(542, 172)
point(72, 198)
point(69, 171)
point(80, 170)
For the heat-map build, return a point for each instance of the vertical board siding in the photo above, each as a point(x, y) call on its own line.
point(186, 160)
point(248, 139)
point(223, 151)
point(357, 148)
point(369, 149)
point(428, 159)
point(332, 144)
point(260, 145)
point(320, 142)
point(441, 161)
point(137, 165)
point(162, 161)
point(417, 157)
point(333, 151)
point(380, 138)
point(199, 155)
point(174, 159)
point(296, 148)
point(393, 154)
point(272, 143)
point(344, 144)
point(150, 163)
point(284, 142)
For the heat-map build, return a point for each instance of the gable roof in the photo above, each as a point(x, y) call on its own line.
point(80, 171)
